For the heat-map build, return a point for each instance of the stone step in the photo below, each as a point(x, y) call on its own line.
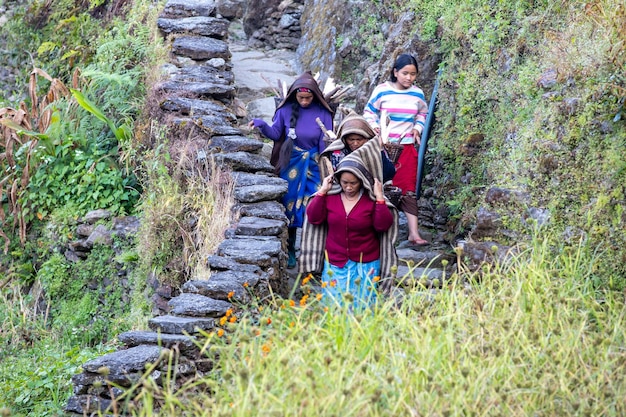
point(258, 226)
point(180, 325)
point(221, 285)
point(213, 27)
point(424, 257)
point(197, 305)
point(184, 343)
point(243, 161)
point(235, 143)
point(197, 107)
point(200, 48)
point(259, 250)
point(186, 8)
point(266, 209)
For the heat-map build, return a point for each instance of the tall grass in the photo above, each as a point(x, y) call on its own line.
point(528, 338)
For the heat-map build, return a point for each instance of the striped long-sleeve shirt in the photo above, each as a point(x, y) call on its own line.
point(407, 110)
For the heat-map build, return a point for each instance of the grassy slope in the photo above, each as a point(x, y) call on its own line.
point(563, 145)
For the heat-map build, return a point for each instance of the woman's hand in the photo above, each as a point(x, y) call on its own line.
point(327, 184)
point(251, 124)
point(417, 135)
point(378, 190)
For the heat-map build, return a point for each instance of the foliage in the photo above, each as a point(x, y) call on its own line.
point(37, 382)
point(185, 210)
point(555, 141)
point(71, 151)
point(85, 297)
point(527, 337)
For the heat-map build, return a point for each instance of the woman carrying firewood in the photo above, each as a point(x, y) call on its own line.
point(350, 231)
point(397, 111)
point(298, 140)
point(353, 132)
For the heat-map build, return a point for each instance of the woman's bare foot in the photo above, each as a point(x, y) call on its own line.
point(418, 241)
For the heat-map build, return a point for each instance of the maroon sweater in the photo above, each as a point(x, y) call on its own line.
point(354, 236)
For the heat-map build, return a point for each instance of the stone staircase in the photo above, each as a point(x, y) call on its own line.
point(250, 263)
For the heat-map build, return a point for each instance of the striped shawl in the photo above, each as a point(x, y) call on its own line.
point(314, 236)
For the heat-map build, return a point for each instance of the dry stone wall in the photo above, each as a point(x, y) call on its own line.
point(198, 91)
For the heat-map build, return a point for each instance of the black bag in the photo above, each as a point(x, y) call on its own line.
point(393, 194)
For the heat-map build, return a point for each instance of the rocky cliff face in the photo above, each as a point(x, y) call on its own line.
point(359, 41)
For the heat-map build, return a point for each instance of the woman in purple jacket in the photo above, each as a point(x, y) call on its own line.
point(298, 140)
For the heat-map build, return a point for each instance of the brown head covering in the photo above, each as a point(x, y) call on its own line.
point(354, 123)
point(305, 80)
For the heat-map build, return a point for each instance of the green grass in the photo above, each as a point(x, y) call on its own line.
point(528, 338)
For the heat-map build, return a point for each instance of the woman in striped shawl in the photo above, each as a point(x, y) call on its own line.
point(350, 229)
point(352, 133)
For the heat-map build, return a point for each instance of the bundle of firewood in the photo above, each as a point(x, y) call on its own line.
point(333, 93)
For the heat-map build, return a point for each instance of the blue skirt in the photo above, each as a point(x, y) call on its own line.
point(354, 285)
point(303, 180)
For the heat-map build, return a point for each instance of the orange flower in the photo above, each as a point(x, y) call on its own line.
point(292, 303)
point(269, 320)
point(307, 279)
point(291, 324)
point(324, 284)
point(223, 320)
point(220, 332)
point(333, 283)
point(266, 348)
point(318, 296)
point(376, 278)
point(231, 294)
point(245, 284)
point(232, 319)
point(303, 300)
point(325, 309)
point(229, 312)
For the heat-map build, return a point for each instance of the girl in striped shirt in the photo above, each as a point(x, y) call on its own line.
point(406, 108)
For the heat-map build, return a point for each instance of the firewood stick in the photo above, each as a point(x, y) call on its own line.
point(342, 92)
point(328, 133)
point(329, 96)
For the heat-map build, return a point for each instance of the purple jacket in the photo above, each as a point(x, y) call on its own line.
point(308, 133)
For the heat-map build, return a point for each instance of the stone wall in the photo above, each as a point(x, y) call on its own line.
point(198, 92)
point(273, 24)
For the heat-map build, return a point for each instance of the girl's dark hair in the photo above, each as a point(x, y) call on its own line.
point(402, 61)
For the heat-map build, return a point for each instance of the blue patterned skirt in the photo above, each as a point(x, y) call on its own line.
point(303, 180)
point(354, 285)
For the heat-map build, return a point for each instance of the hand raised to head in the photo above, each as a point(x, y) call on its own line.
point(378, 190)
point(327, 184)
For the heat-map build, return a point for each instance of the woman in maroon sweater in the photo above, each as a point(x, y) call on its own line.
point(354, 221)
